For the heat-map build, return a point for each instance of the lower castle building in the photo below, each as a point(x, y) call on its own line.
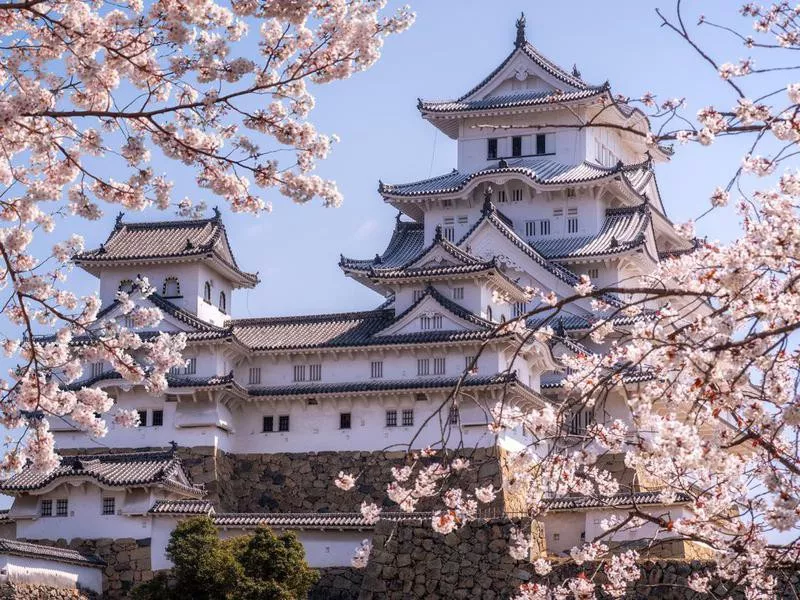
point(267, 411)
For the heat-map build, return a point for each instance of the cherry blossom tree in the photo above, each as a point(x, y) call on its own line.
point(711, 342)
point(92, 88)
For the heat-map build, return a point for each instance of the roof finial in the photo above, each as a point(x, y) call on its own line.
point(118, 221)
point(575, 72)
point(487, 200)
point(520, 31)
point(217, 214)
point(437, 237)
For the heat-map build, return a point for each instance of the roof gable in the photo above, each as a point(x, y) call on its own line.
point(167, 241)
point(453, 316)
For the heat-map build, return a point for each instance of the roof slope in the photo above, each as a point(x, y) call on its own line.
point(405, 245)
point(166, 240)
point(542, 171)
point(162, 469)
point(513, 100)
point(18, 548)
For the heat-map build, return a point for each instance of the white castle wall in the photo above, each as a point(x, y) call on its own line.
point(26, 570)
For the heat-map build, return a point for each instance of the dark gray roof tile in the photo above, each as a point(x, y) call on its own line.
point(54, 553)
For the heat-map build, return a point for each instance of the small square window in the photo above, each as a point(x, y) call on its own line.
point(299, 373)
point(283, 423)
point(62, 507)
point(315, 372)
point(376, 369)
point(142, 418)
point(423, 366)
point(391, 418)
point(109, 506)
point(458, 293)
point(254, 376)
point(344, 421)
point(556, 537)
point(46, 508)
point(158, 418)
point(491, 148)
point(541, 144)
point(408, 417)
point(516, 146)
point(438, 366)
point(269, 424)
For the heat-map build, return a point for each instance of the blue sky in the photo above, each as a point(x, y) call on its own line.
point(452, 46)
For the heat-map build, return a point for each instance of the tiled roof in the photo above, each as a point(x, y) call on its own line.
point(161, 240)
point(578, 502)
point(543, 171)
point(293, 520)
point(512, 100)
point(379, 385)
point(312, 331)
point(556, 381)
point(182, 507)
point(448, 304)
point(18, 548)
point(623, 229)
point(113, 470)
point(404, 247)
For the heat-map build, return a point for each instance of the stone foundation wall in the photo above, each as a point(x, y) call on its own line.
point(303, 482)
point(337, 583)
point(128, 561)
point(16, 591)
point(410, 560)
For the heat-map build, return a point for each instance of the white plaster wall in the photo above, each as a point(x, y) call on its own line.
point(85, 518)
point(567, 526)
point(316, 427)
point(22, 569)
point(159, 538)
point(646, 531)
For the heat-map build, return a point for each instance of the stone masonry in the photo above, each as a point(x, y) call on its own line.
point(16, 591)
point(128, 561)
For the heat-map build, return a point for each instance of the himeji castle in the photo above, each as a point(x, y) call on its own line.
point(268, 410)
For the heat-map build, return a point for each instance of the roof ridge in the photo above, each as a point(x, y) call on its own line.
point(341, 316)
point(170, 223)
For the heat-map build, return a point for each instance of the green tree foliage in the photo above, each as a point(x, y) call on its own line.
point(261, 566)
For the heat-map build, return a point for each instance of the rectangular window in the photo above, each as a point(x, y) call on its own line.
point(501, 195)
point(491, 148)
point(408, 417)
point(269, 424)
point(541, 143)
point(376, 369)
point(283, 423)
point(62, 507)
point(191, 366)
point(437, 321)
point(581, 421)
point(158, 418)
point(458, 293)
point(417, 294)
point(467, 362)
point(391, 418)
point(449, 229)
point(438, 366)
point(175, 371)
point(570, 192)
point(299, 373)
point(97, 369)
point(516, 195)
point(254, 376)
point(315, 372)
point(516, 146)
point(519, 308)
point(142, 418)
point(454, 416)
point(344, 420)
point(537, 227)
point(572, 225)
point(423, 366)
point(463, 219)
point(558, 212)
point(424, 322)
point(593, 273)
point(544, 227)
point(109, 506)
point(46, 508)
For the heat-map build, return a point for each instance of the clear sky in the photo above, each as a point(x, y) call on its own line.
point(452, 46)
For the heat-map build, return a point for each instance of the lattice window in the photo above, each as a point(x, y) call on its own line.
point(391, 418)
point(438, 366)
point(408, 417)
point(315, 372)
point(423, 366)
point(254, 376)
point(109, 506)
point(376, 369)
